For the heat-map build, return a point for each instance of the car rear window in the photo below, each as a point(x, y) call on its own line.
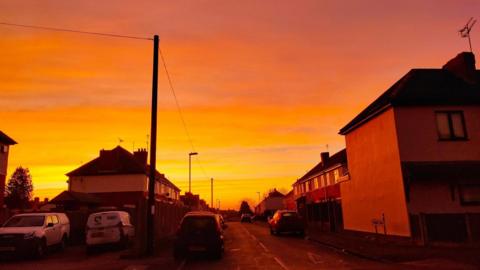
point(196, 223)
point(25, 221)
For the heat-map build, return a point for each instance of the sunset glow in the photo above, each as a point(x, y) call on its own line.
point(264, 85)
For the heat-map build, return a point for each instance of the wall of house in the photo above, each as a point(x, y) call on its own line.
point(375, 186)
point(444, 201)
point(274, 203)
point(109, 183)
point(3, 161)
point(3, 173)
point(418, 137)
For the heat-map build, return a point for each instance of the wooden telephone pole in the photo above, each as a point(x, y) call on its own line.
point(153, 153)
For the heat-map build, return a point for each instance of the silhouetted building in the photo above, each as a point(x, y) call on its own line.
point(289, 202)
point(414, 157)
point(120, 178)
point(317, 193)
point(5, 143)
point(270, 204)
point(71, 200)
point(191, 200)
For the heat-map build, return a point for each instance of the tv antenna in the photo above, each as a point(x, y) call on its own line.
point(465, 31)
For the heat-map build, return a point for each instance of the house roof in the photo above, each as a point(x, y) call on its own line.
point(71, 196)
point(421, 87)
point(115, 162)
point(275, 193)
point(338, 158)
point(5, 139)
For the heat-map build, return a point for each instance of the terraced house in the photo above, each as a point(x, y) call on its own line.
point(414, 157)
point(5, 143)
point(317, 193)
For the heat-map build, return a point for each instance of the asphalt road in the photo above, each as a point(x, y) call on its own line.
point(247, 246)
point(250, 246)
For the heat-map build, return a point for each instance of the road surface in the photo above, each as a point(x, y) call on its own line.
point(247, 246)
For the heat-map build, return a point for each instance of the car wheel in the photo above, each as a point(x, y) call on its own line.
point(178, 254)
point(40, 248)
point(90, 250)
point(217, 254)
point(63, 244)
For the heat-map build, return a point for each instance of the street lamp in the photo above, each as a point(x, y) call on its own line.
point(190, 170)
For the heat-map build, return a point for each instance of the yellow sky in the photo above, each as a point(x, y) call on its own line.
point(264, 86)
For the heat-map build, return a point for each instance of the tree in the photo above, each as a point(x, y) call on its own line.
point(245, 208)
point(18, 191)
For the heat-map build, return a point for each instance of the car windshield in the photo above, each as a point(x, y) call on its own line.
point(198, 223)
point(25, 221)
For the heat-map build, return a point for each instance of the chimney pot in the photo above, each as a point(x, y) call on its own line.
point(324, 156)
point(141, 156)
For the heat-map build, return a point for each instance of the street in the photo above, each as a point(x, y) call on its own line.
point(250, 246)
point(247, 246)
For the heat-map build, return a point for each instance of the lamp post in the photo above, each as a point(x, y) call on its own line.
point(190, 170)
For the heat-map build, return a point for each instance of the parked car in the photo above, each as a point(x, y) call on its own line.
point(110, 227)
point(284, 221)
point(199, 232)
point(246, 218)
point(222, 222)
point(34, 233)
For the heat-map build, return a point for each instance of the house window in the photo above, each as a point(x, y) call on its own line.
point(336, 175)
point(451, 125)
point(470, 194)
point(315, 182)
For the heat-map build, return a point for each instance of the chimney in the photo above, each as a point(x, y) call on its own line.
point(463, 66)
point(324, 156)
point(141, 156)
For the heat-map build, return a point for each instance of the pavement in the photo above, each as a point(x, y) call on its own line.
point(400, 252)
point(247, 246)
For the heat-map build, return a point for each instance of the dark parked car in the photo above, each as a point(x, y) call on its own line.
point(199, 232)
point(246, 218)
point(286, 221)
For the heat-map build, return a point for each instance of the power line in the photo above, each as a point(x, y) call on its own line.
point(128, 37)
point(179, 109)
point(73, 31)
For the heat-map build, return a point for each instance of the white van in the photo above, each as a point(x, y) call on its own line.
point(111, 227)
point(33, 233)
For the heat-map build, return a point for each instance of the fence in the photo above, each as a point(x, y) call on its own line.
point(167, 218)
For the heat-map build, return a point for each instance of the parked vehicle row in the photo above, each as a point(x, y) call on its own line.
point(34, 233)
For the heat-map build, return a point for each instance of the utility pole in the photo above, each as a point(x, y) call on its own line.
point(153, 152)
point(211, 192)
point(190, 170)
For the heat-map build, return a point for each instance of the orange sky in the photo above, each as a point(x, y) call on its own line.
point(264, 85)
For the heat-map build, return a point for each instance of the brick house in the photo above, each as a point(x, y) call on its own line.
point(5, 143)
point(317, 193)
point(414, 157)
point(270, 204)
point(120, 178)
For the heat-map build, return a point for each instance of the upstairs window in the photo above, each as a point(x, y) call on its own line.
point(451, 125)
